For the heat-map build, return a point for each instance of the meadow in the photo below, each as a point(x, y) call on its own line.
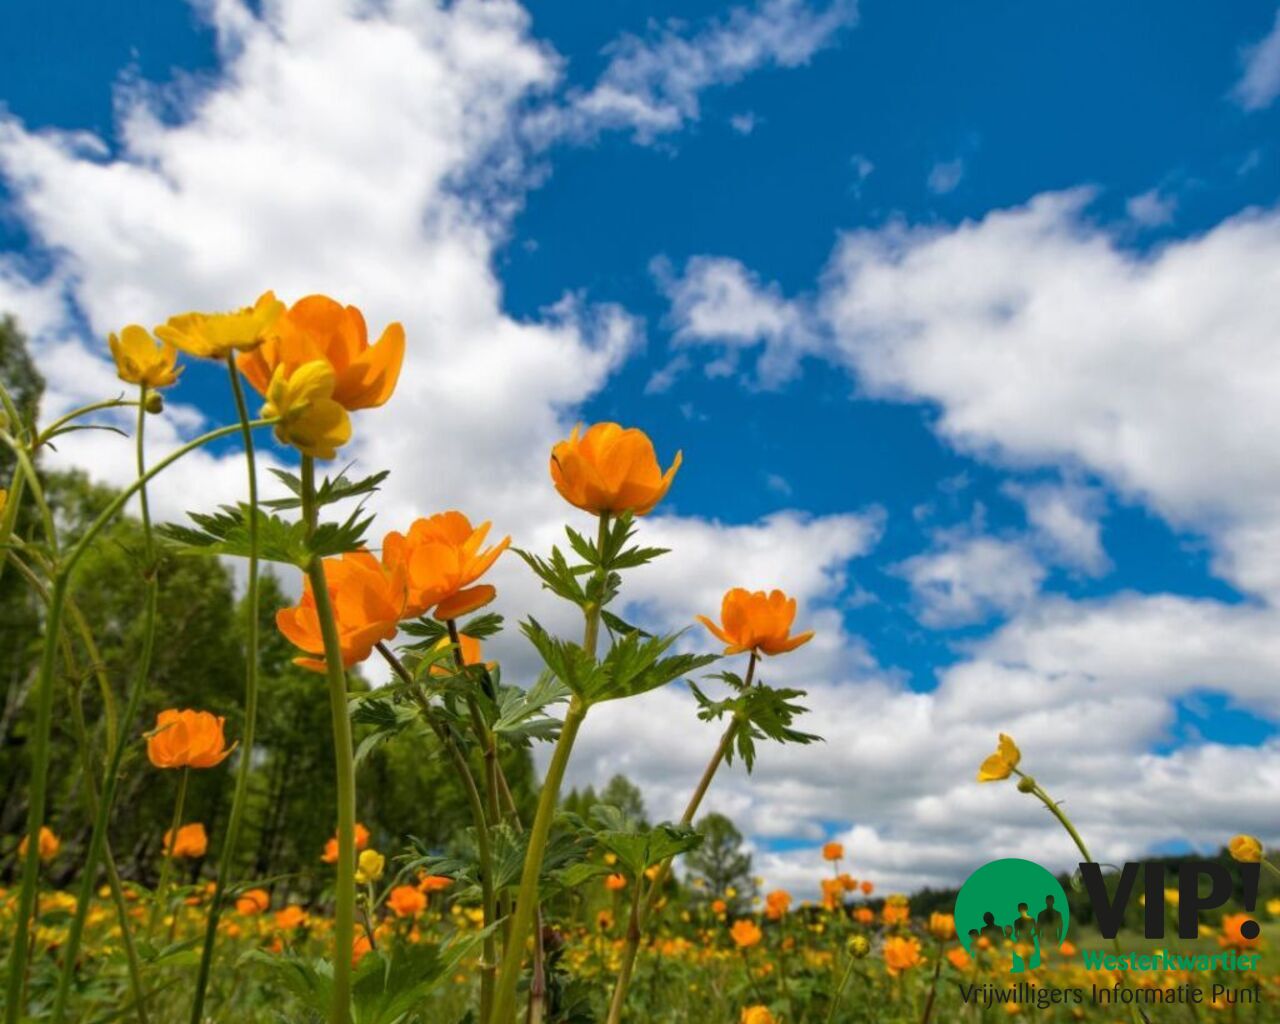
point(336, 852)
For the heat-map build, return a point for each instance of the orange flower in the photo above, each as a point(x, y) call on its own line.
point(441, 559)
point(604, 920)
point(849, 882)
point(47, 846)
point(330, 855)
point(610, 469)
point(1232, 937)
point(434, 883)
point(776, 904)
point(615, 883)
point(758, 622)
point(1246, 849)
point(942, 926)
point(187, 739)
point(896, 910)
point(958, 958)
point(407, 901)
point(291, 917)
point(867, 888)
point(361, 945)
point(255, 901)
point(719, 906)
point(368, 601)
point(830, 851)
point(317, 327)
point(832, 893)
point(190, 843)
point(901, 954)
point(745, 933)
point(756, 1015)
point(864, 915)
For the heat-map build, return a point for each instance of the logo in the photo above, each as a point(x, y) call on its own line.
point(1015, 901)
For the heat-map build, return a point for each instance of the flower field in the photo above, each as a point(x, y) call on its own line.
point(537, 907)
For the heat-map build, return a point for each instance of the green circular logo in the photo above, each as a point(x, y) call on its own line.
point(1015, 904)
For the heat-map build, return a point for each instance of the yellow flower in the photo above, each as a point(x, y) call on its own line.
point(756, 1015)
point(48, 846)
point(310, 419)
point(140, 360)
point(1246, 849)
point(1273, 908)
point(1001, 764)
point(901, 954)
point(216, 335)
point(369, 866)
point(942, 926)
point(610, 469)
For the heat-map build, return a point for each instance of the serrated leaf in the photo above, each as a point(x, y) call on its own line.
point(329, 492)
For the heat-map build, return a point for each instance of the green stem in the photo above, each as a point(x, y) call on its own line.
point(344, 759)
point(245, 769)
point(166, 862)
point(839, 993)
point(46, 435)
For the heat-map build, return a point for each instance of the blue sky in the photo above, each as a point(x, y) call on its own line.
point(902, 125)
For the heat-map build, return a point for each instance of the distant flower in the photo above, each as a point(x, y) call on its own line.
point(187, 739)
point(867, 888)
point(864, 915)
point(190, 843)
point(719, 906)
point(434, 883)
point(942, 926)
point(441, 557)
point(745, 933)
point(896, 910)
point(361, 945)
point(958, 958)
point(776, 904)
point(407, 901)
point(47, 846)
point(1001, 764)
point(140, 359)
point(216, 335)
point(1232, 938)
point(901, 954)
point(290, 917)
point(757, 622)
point(1246, 849)
point(832, 851)
point(254, 901)
point(756, 1015)
point(610, 469)
point(369, 866)
point(615, 883)
point(330, 855)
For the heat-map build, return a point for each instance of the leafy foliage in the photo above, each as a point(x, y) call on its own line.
point(762, 712)
point(226, 532)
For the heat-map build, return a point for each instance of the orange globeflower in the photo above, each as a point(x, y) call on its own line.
point(719, 906)
point(191, 841)
point(756, 1015)
point(317, 327)
point(407, 901)
point(614, 883)
point(255, 901)
point(47, 846)
point(610, 469)
point(361, 946)
point(368, 601)
point(441, 558)
point(901, 954)
point(187, 739)
point(942, 926)
point(757, 622)
point(776, 904)
point(958, 957)
point(434, 883)
point(867, 888)
point(831, 851)
point(832, 893)
point(1232, 937)
point(330, 855)
point(291, 917)
point(745, 933)
point(864, 915)
point(470, 648)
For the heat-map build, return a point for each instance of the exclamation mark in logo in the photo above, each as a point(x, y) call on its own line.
point(1249, 882)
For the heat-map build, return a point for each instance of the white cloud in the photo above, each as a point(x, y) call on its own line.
point(744, 123)
point(945, 176)
point(719, 302)
point(1151, 209)
point(653, 83)
point(1065, 521)
point(1259, 83)
point(862, 168)
point(967, 579)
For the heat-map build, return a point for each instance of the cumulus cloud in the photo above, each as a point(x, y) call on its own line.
point(1065, 520)
point(968, 579)
point(1151, 209)
point(1259, 82)
point(945, 176)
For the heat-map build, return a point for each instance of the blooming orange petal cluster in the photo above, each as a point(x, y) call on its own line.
point(776, 904)
point(187, 739)
point(317, 327)
point(901, 954)
point(255, 901)
point(330, 855)
point(832, 851)
point(442, 556)
point(756, 621)
point(610, 469)
point(47, 846)
point(745, 933)
point(190, 843)
point(407, 901)
point(368, 602)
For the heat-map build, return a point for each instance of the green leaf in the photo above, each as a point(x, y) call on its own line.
point(572, 665)
point(620, 626)
point(226, 532)
point(330, 490)
point(522, 713)
point(556, 575)
point(482, 626)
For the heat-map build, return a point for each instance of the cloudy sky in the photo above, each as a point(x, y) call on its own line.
point(965, 317)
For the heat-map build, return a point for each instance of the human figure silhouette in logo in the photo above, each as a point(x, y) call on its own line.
point(992, 931)
point(1024, 928)
point(1049, 925)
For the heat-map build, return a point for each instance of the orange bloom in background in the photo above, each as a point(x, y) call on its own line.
point(191, 842)
point(317, 327)
point(441, 558)
point(901, 954)
point(832, 893)
point(407, 901)
point(255, 901)
point(1231, 936)
point(217, 335)
point(615, 883)
point(830, 851)
point(360, 946)
point(47, 846)
point(368, 601)
point(849, 882)
point(942, 926)
point(290, 917)
point(187, 739)
point(864, 915)
point(958, 958)
point(330, 855)
point(896, 910)
point(434, 883)
point(745, 933)
point(719, 906)
point(472, 654)
point(758, 622)
point(777, 903)
point(867, 888)
point(756, 1015)
point(610, 469)
point(140, 359)
point(1246, 849)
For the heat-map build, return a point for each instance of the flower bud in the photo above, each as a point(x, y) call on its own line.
point(1026, 784)
point(155, 403)
point(859, 947)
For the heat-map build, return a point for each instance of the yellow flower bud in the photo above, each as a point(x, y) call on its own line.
point(369, 866)
point(1246, 849)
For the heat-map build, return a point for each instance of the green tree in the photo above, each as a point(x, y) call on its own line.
point(721, 863)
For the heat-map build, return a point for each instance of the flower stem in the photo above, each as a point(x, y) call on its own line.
point(245, 769)
point(166, 862)
point(344, 758)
